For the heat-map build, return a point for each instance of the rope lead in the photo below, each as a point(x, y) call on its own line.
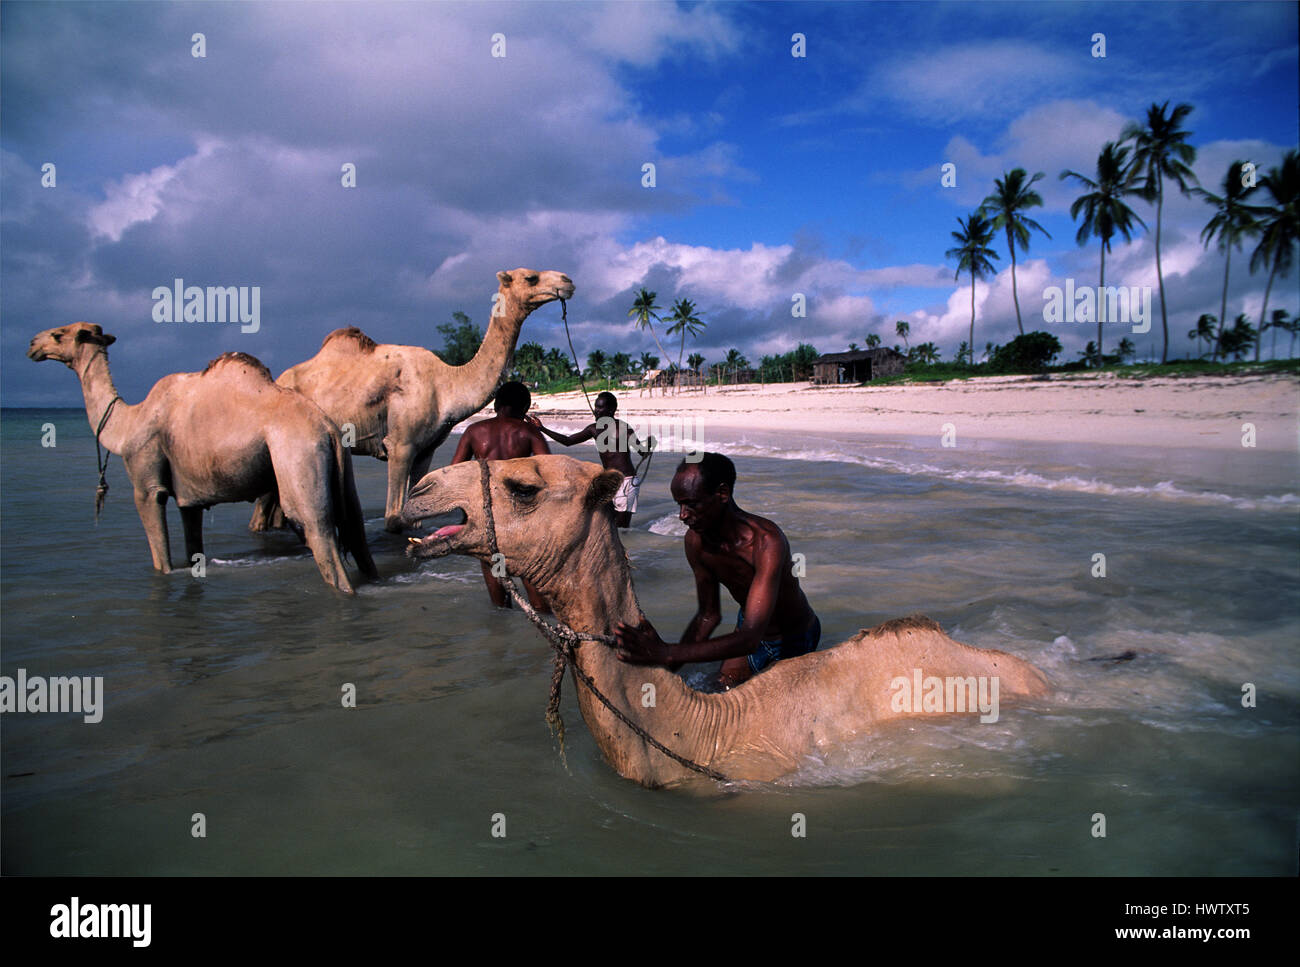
point(564, 640)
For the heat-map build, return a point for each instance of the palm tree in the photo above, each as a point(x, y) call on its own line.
point(927, 353)
point(1012, 194)
point(1160, 151)
point(1233, 220)
point(1126, 349)
point(644, 309)
point(853, 347)
point(684, 321)
point(873, 341)
point(597, 361)
point(1104, 210)
point(620, 364)
point(1235, 342)
point(1291, 326)
point(1281, 231)
point(903, 330)
point(1204, 330)
point(1091, 354)
point(963, 350)
point(973, 254)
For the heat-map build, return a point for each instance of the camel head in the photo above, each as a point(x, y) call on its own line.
point(531, 290)
point(544, 509)
point(65, 343)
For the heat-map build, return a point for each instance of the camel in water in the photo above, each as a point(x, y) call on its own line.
point(226, 434)
point(402, 401)
point(555, 526)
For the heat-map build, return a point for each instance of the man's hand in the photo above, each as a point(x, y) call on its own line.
point(641, 644)
point(534, 422)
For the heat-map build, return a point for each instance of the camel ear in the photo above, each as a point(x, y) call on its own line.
point(96, 335)
point(603, 487)
point(504, 278)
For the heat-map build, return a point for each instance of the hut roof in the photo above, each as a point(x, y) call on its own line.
point(858, 355)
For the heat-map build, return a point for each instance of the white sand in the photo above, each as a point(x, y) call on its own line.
point(1205, 412)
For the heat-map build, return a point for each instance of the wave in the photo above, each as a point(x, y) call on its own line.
point(1019, 477)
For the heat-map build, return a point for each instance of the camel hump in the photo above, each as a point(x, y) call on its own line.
point(362, 342)
point(252, 362)
point(912, 622)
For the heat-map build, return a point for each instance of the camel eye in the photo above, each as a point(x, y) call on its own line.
point(532, 279)
point(522, 492)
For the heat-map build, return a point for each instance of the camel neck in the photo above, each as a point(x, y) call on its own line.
point(655, 698)
point(91, 365)
point(478, 378)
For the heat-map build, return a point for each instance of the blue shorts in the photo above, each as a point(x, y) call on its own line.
point(774, 649)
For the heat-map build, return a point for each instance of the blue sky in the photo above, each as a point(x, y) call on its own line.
point(774, 174)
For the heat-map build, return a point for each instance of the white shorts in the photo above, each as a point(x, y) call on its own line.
point(625, 499)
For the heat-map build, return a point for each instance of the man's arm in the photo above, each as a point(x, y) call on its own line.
point(642, 645)
point(539, 445)
point(582, 436)
point(708, 612)
point(465, 449)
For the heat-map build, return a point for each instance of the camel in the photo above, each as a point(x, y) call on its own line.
point(223, 435)
point(402, 401)
point(650, 379)
point(555, 526)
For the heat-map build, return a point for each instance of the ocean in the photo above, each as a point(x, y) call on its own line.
point(1174, 725)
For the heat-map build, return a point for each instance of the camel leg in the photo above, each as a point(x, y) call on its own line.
point(305, 494)
point(267, 515)
point(152, 508)
point(192, 522)
point(400, 461)
point(352, 522)
point(419, 467)
point(326, 552)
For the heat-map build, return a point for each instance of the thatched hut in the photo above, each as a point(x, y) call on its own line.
point(860, 366)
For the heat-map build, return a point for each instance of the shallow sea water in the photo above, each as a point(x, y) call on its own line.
point(222, 694)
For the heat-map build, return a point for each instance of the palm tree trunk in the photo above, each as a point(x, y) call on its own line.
point(1223, 305)
point(972, 306)
point(1263, 315)
point(1014, 296)
point(1101, 301)
point(1160, 275)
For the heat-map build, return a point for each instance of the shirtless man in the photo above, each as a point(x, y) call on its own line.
point(503, 437)
point(614, 442)
point(750, 557)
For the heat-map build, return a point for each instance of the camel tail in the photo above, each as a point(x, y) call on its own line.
point(348, 517)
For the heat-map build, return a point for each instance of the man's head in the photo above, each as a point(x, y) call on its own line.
point(513, 399)
point(702, 489)
point(606, 405)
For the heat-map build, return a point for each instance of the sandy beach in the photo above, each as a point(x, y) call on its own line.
point(1203, 412)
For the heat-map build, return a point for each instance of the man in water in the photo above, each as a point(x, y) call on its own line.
point(503, 437)
point(614, 442)
point(748, 555)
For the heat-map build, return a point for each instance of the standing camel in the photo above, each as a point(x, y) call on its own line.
point(555, 526)
point(402, 401)
point(223, 435)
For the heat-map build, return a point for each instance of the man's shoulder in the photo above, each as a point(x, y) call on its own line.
point(766, 530)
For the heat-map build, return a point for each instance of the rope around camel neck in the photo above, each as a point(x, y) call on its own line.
point(102, 460)
point(564, 640)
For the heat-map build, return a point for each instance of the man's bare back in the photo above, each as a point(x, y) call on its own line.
point(504, 437)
